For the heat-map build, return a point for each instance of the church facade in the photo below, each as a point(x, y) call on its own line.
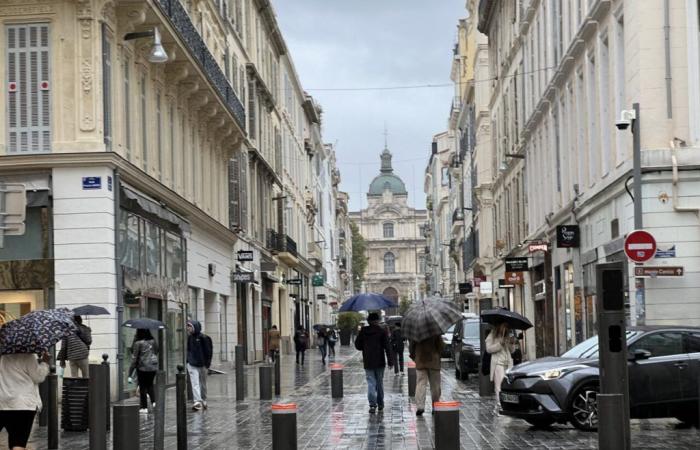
point(394, 232)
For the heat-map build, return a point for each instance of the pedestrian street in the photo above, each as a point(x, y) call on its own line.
point(324, 423)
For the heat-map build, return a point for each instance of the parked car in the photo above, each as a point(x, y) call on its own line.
point(466, 346)
point(447, 341)
point(664, 368)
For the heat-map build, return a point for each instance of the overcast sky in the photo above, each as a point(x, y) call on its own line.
point(339, 44)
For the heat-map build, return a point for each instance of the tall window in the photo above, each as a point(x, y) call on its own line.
point(159, 134)
point(144, 134)
point(388, 230)
point(389, 263)
point(620, 84)
point(127, 112)
point(592, 94)
point(28, 87)
point(107, 86)
point(605, 116)
point(173, 152)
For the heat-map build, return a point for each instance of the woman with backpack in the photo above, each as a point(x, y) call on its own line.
point(145, 362)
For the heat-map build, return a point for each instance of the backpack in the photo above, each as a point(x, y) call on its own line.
point(148, 357)
point(85, 334)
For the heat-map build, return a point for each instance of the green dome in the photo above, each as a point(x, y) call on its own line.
point(386, 179)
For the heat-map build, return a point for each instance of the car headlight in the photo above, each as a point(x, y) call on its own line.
point(553, 374)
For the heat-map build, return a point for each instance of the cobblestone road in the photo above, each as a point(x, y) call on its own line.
point(324, 423)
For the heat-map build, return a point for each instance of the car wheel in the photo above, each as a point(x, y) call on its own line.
point(543, 422)
point(583, 409)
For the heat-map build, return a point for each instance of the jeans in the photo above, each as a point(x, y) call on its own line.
point(198, 379)
point(331, 348)
point(423, 376)
point(375, 386)
point(300, 352)
point(145, 380)
point(398, 361)
point(323, 352)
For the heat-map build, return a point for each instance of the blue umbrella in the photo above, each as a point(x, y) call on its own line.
point(367, 301)
point(37, 331)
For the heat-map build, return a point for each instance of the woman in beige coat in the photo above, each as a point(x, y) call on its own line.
point(500, 345)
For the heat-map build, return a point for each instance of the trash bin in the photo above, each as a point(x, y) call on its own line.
point(74, 405)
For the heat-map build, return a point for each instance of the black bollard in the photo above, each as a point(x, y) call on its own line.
point(108, 403)
point(265, 382)
point(336, 381)
point(411, 369)
point(181, 407)
point(446, 425)
point(159, 422)
point(52, 408)
point(44, 395)
point(126, 429)
point(278, 376)
point(96, 408)
point(284, 426)
point(240, 374)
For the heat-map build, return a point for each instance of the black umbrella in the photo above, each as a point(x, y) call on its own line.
point(320, 326)
point(513, 319)
point(90, 310)
point(144, 323)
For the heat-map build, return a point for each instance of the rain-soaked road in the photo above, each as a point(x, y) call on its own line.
point(324, 423)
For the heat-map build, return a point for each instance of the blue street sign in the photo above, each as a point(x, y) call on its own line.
point(92, 183)
point(668, 253)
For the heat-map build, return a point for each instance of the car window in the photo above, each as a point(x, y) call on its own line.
point(471, 329)
point(451, 329)
point(692, 342)
point(664, 343)
point(589, 347)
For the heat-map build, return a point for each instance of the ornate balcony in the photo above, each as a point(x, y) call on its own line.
point(283, 246)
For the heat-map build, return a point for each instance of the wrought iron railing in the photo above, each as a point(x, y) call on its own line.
point(278, 242)
point(180, 21)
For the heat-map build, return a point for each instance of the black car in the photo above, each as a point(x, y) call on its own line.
point(466, 347)
point(664, 367)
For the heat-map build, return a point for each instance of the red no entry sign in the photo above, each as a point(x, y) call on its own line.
point(640, 246)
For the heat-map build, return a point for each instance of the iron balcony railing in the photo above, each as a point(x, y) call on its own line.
point(278, 242)
point(180, 21)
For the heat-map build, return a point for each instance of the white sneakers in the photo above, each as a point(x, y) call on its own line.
point(197, 406)
point(143, 410)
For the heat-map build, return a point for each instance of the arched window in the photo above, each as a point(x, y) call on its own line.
point(389, 260)
point(388, 230)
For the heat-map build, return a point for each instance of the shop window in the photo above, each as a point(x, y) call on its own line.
point(31, 244)
point(173, 256)
point(152, 248)
point(129, 240)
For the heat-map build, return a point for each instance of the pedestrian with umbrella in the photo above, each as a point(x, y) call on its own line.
point(76, 349)
point(144, 361)
point(374, 344)
point(20, 371)
point(423, 326)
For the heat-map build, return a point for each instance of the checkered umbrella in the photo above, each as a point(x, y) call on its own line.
point(428, 318)
point(36, 332)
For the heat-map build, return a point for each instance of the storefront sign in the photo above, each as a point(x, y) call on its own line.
point(515, 278)
point(478, 280)
point(245, 255)
point(90, 183)
point(516, 265)
point(658, 271)
point(321, 296)
point(242, 277)
point(503, 285)
point(568, 236)
point(317, 280)
point(294, 281)
point(538, 247)
point(486, 287)
point(465, 288)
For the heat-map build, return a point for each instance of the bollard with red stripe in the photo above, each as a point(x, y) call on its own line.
point(284, 426)
point(446, 425)
point(336, 381)
point(411, 369)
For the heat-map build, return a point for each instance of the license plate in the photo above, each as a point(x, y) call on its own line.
point(510, 398)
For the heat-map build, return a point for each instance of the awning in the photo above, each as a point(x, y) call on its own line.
point(135, 201)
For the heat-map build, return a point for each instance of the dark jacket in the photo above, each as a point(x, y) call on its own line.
point(199, 347)
point(144, 356)
point(374, 344)
point(301, 340)
point(427, 353)
point(397, 340)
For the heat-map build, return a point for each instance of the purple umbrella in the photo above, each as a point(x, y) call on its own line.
point(37, 331)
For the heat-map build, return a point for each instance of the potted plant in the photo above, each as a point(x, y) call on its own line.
point(348, 322)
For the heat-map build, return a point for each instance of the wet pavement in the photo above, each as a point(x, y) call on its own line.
point(325, 423)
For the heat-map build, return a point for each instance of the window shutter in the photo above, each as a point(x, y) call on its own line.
point(107, 87)
point(234, 192)
point(28, 101)
point(243, 199)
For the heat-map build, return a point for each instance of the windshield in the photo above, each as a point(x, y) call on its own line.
point(471, 329)
point(450, 330)
point(589, 348)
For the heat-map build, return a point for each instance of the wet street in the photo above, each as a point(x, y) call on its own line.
point(324, 423)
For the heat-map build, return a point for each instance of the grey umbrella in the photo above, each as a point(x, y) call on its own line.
point(428, 318)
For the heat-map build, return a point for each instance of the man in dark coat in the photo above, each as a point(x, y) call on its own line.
point(397, 346)
point(374, 344)
point(301, 342)
point(199, 354)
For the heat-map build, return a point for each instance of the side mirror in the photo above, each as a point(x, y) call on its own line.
point(639, 354)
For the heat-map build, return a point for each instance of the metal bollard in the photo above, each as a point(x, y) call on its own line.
point(278, 376)
point(284, 426)
point(181, 407)
point(240, 373)
point(96, 408)
point(411, 369)
point(609, 435)
point(159, 422)
point(265, 382)
point(108, 393)
point(52, 408)
point(446, 425)
point(336, 381)
point(126, 429)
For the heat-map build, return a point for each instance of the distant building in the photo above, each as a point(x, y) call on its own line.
point(394, 235)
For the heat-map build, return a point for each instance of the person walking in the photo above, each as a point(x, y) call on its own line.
point(199, 354)
point(76, 349)
point(397, 346)
point(301, 343)
point(20, 375)
point(374, 344)
point(273, 342)
point(500, 344)
point(144, 361)
point(322, 342)
point(332, 339)
point(426, 355)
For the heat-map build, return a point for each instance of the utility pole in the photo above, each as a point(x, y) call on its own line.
point(640, 294)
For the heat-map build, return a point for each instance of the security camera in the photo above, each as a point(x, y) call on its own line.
point(625, 120)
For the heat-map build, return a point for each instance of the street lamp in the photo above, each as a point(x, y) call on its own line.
point(158, 54)
point(459, 215)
